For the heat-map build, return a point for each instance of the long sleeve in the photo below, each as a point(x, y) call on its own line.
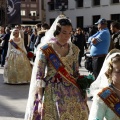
point(41, 69)
point(98, 109)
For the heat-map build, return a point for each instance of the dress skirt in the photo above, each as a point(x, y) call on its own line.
point(61, 101)
point(17, 68)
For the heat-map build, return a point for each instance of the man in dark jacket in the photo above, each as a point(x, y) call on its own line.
point(80, 42)
point(5, 40)
point(115, 29)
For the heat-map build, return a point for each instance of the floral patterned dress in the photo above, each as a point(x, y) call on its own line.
point(61, 99)
point(17, 68)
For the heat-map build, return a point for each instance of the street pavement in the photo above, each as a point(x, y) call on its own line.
point(13, 98)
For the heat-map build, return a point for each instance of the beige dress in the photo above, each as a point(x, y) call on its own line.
point(17, 68)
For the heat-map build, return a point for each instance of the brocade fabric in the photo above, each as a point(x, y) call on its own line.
point(61, 99)
point(17, 68)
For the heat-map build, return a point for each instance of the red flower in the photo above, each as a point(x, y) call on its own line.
point(81, 76)
point(30, 54)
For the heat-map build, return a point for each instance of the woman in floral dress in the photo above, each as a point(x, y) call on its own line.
point(51, 96)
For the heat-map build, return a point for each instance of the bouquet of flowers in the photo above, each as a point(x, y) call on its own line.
point(84, 82)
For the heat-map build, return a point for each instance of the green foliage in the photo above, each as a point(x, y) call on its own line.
point(84, 82)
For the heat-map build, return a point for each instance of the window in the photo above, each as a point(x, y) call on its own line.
point(61, 4)
point(51, 21)
point(80, 21)
point(79, 3)
point(33, 13)
point(95, 19)
point(115, 1)
point(96, 2)
point(51, 5)
point(23, 12)
point(115, 17)
point(57, 4)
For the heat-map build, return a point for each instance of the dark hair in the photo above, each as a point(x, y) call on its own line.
point(78, 28)
point(45, 26)
point(38, 25)
point(60, 23)
point(115, 24)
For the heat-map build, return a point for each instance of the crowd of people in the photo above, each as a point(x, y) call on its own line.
point(58, 51)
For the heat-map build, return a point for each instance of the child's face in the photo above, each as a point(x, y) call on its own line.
point(116, 73)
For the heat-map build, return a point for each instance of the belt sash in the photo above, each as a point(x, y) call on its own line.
point(57, 64)
point(16, 46)
point(111, 100)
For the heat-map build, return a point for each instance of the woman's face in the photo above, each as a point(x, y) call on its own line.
point(16, 33)
point(65, 33)
point(116, 73)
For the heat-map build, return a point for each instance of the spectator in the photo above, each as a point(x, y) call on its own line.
point(92, 30)
point(2, 33)
point(99, 43)
point(33, 38)
point(80, 42)
point(41, 33)
point(5, 40)
point(26, 38)
point(115, 29)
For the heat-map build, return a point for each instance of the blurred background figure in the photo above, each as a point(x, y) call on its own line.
point(21, 30)
point(41, 33)
point(2, 32)
point(80, 42)
point(17, 69)
point(115, 29)
point(33, 38)
point(5, 40)
point(26, 38)
point(38, 26)
point(92, 30)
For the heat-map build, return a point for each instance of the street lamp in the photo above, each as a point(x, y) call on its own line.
point(33, 16)
point(63, 7)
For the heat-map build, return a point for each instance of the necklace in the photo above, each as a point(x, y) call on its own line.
point(116, 88)
point(61, 46)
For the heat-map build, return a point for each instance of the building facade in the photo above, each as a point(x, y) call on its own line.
point(84, 13)
point(31, 11)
